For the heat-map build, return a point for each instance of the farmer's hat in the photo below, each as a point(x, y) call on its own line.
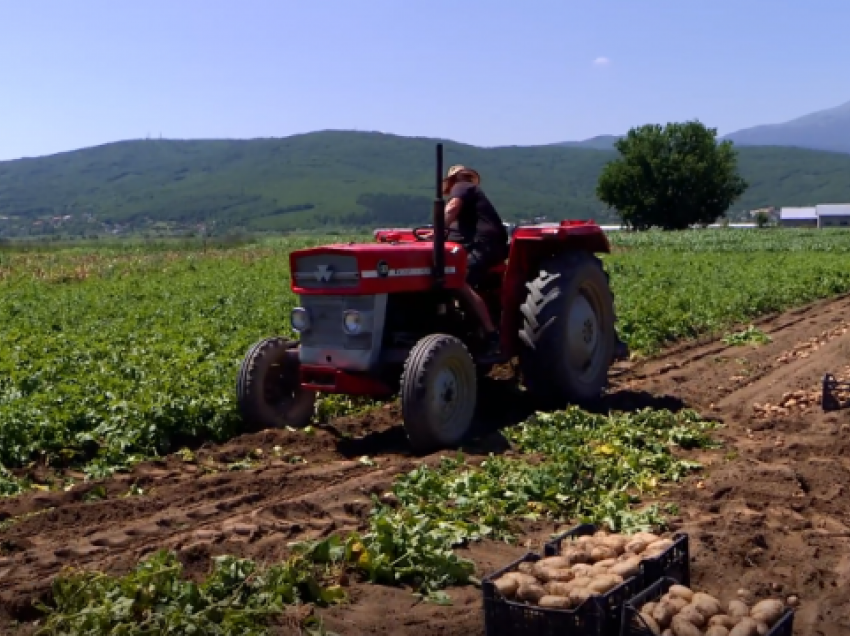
point(454, 171)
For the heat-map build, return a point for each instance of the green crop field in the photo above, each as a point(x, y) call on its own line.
point(111, 354)
point(115, 353)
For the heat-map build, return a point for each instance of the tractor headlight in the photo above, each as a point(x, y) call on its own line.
point(352, 322)
point(300, 319)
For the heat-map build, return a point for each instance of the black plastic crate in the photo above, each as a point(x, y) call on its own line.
point(675, 562)
point(598, 616)
point(634, 625)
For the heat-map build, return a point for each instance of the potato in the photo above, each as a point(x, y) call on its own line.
point(585, 540)
point(680, 591)
point(557, 588)
point(599, 534)
point(663, 614)
point(762, 629)
point(667, 632)
point(506, 586)
point(747, 627)
point(599, 568)
point(604, 583)
point(657, 547)
point(616, 542)
point(649, 537)
point(691, 614)
point(577, 555)
point(579, 581)
point(650, 622)
point(551, 574)
point(522, 578)
point(683, 627)
point(706, 604)
point(723, 620)
point(579, 595)
point(648, 608)
point(768, 611)
point(557, 602)
point(602, 553)
point(556, 562)
point(626, 569)
point(636, 546)
point(527, 567)
point(737, 609)
point(582, 569)
point(717, 630)
point(531, 593)
point(678, 604)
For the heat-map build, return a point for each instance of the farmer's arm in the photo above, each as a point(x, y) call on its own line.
point(452, 210)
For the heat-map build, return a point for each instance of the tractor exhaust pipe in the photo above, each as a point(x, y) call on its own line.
point(439, 224)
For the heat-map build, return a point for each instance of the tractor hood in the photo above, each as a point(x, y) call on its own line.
point(373, 268)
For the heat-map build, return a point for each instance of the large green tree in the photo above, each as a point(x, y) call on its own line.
point(671, 177)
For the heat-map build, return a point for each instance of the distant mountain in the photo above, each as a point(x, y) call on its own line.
point(600, 142)
point(823, 130)
point(336, 179)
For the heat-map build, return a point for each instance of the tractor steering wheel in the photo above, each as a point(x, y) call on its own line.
point(424, 228)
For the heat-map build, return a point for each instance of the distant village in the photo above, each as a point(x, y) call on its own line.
point(818, 216)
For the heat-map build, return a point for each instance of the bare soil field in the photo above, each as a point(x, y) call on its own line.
point(769, 512)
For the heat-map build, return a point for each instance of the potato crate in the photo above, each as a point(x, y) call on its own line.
point(503, 617)
point(675, 562)
point(634, 625)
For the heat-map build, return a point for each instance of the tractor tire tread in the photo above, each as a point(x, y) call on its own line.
point(248, 381)
point(414, 388)
point(540, 362)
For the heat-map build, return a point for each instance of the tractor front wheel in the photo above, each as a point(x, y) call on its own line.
point(568, 335)
point(438, 393)
point(268, 389)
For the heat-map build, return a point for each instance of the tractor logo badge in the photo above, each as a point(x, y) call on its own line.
point(324, 273)
point(383, 269)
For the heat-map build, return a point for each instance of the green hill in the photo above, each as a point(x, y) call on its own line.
point(345, 178)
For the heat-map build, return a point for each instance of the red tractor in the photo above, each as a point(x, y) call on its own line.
point(382, 319)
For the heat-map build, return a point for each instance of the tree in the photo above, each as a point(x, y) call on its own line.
point(671, 177)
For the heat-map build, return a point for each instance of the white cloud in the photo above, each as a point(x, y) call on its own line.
point(602, 61)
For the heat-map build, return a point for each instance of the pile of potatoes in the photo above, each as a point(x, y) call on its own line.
point(683, 612)
point(588, 565)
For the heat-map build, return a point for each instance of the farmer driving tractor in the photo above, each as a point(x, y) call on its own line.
point(473, 222)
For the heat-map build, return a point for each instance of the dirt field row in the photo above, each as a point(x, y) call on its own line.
point(770, 511)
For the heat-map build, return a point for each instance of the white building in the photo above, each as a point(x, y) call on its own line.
point(798, 217)
point(833, 215)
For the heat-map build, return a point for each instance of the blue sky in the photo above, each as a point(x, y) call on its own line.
point(487, 72)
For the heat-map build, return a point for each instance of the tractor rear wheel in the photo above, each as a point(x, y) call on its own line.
point(268, 389)
point(438, 393)
point(568, 335)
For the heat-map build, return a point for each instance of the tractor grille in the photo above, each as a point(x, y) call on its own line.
point(326, 322)
point(326, 271)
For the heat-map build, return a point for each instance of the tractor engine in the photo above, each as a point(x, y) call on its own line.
point(362, 307)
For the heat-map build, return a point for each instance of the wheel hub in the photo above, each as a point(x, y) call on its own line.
point(445, 394)
point(583, 334)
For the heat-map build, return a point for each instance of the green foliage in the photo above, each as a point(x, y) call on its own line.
point(752, 335)
point(334, 179)
point(113, 355)
point(671, 177)
point(237, 598)
point(673, 286)
point(571, 465)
